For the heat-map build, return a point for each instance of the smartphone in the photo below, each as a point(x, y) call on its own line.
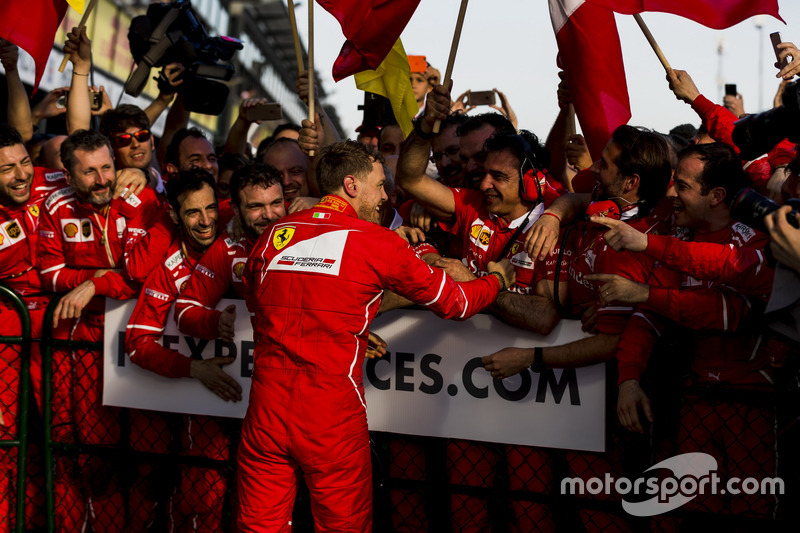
point(95, 100)
point(270, 111)
point(730, 88)
point(776, 40)
point(480, 98)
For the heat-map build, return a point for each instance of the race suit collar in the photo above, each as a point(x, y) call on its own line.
point(336, 203)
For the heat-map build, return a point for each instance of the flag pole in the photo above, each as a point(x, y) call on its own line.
point(298, 52)
point(82, 25)
point(453, 48)
point(652, 41)
point(311, 91)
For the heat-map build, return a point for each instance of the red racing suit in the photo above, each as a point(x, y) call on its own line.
point(199, 499)
point(75, 240)
point(314, 282)
point(18, 232)
point(195, 310)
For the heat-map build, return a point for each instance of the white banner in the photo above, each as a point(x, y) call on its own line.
point(430, 383)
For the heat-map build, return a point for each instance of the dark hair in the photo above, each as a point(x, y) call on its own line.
point(284, 127)
point(277, 142)
point(253, 173)
point(646, 153)
point(453, 119)
point(495, 120)
point(9, 136)
point(344, 158)
point(229, 161)
point(88, 140)
point(523, 145)
point(721, 168)
point(188, 180)
point(116, 121)
point(175, 145)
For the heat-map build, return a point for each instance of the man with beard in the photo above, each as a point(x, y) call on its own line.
point(285, 155)
point(199, 499)
point(314, 282)
point(257, 196)
point(446, 149)
point(83, 234)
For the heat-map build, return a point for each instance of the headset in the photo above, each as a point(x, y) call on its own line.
point(532, 180)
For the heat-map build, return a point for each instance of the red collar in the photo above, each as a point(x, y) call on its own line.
point(336, 203)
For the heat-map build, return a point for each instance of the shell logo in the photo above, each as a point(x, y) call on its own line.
point(238, 269)
point(475, 231)
point(70, 230)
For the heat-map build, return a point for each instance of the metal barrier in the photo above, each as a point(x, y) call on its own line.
point(20, 443)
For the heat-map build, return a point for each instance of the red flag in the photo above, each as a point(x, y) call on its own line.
point(590, 52)
point(32, 26)
point(591, 56)
point(717, 14)
point(371, 28)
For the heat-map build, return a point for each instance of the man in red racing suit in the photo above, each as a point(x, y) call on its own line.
point(315, 281)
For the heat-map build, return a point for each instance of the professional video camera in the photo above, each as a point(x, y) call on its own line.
point(758, 134)
point(751, 208)
point(170, 33)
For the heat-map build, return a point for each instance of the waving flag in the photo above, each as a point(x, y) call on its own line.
point(32, 26)
point(591, 55)
point(371, 28)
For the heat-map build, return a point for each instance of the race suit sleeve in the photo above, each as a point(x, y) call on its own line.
point(145, 254)
point(407, 275)
point(195, 310)
point(743, 268)
point(716, 308)
point(115, 285)
point(147, 325)
point(635, 345)
point(718, 119)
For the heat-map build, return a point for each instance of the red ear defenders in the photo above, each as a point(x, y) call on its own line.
point(604, 208)
point(533, 183)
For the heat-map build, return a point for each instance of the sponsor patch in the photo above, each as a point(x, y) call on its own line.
point(205, 271)
point(744, 231)
point(174, 260)
point(229, 242)
point(237, 269)
point(47, 234)
point(33, 209)
point(157, 295)
point(56, 196)
point(321, 254)
point(14, 231)
point(53, 176)
point(71, 228)
point(480, 235)
point(484, 237)
point(86, 231)
point(282, 237)
point(180, 283)
point(321, 215)
point(133, 200)
point(121, 225)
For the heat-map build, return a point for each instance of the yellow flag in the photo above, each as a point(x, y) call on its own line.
point(392, 80)
point(77, 5)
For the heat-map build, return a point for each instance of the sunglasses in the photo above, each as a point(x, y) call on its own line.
point(125, 139)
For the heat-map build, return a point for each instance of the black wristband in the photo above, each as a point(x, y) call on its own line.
point(421, 134)
point(501, 279)
point(538, 365)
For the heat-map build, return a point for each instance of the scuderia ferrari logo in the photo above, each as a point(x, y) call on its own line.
point(282, 237)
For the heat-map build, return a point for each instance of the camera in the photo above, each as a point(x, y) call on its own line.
point(171, 33)
point(758, 134)
point(751, 208)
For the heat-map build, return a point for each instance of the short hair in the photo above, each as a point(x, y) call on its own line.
point(116, 121)
point(231, 161)
point(88, 140)
point(523, 145)
point(277, 142)
point(345, 158)
point(254, 173)
point(9, 136)
point(175, 144)
point(453, 119)
point(646, 153)
point(284, 127)
point(495, 120)
point(721, 168)
point(188, 180)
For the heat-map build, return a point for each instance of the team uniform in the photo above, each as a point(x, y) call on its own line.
point(18, 233)
point(223, 266)
point(314, 283)
point(76, 239)
point(197, 504)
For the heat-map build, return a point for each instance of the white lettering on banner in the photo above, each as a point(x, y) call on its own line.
point(432, 370)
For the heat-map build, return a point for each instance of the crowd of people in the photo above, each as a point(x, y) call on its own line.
point(639, 244)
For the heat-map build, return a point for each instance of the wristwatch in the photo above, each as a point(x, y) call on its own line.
point(538, 365)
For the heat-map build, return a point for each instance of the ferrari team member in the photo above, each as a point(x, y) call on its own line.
point(193, 208)
point(314, 282)
point(257, 200)
point(83, 233)
point(23, 188)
